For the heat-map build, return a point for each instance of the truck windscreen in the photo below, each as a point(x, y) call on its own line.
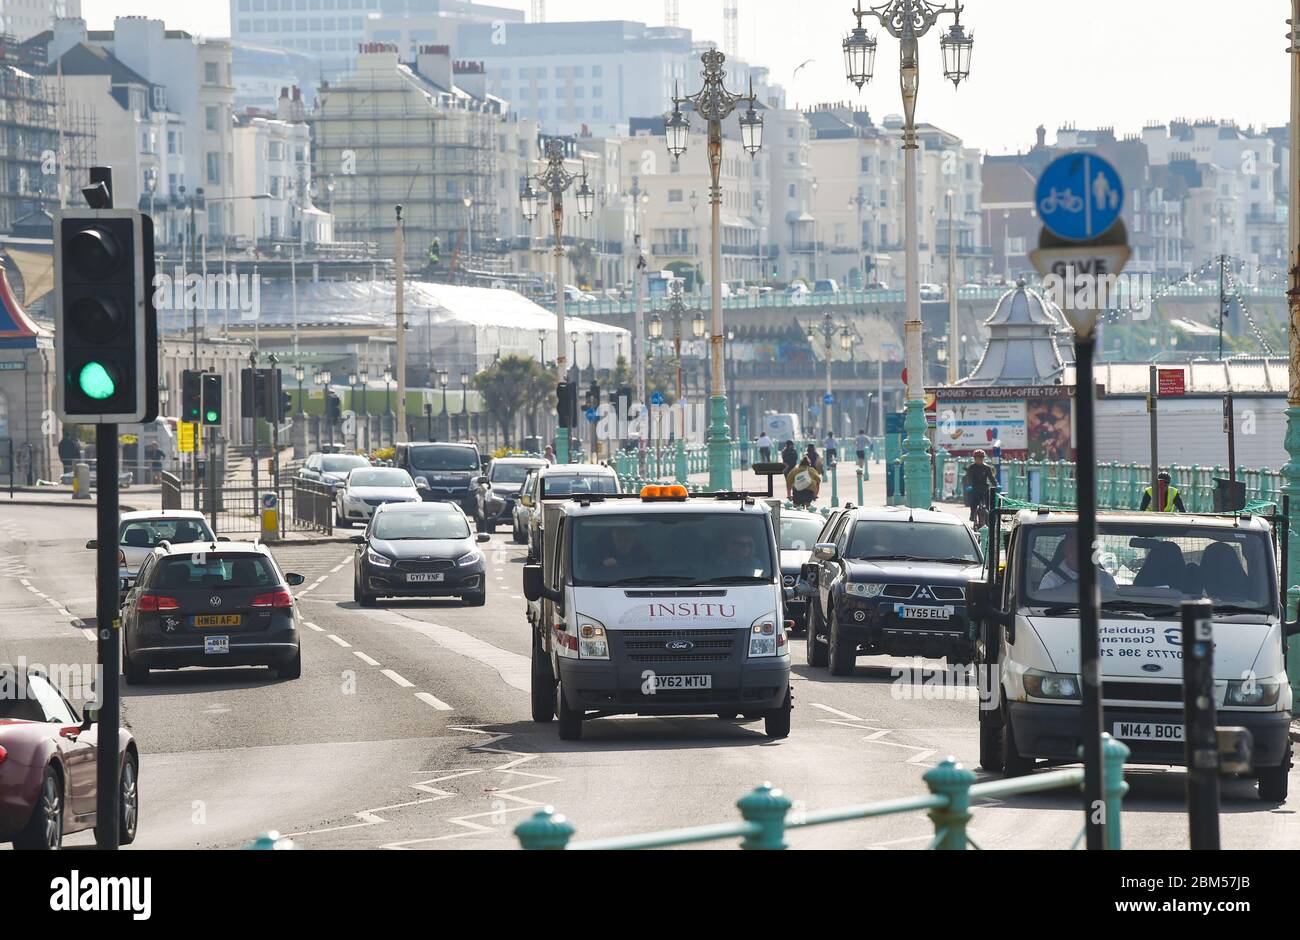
point(1153, 569)
point(677, 548)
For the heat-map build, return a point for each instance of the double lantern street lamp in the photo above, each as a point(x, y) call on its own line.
point(907, 21)
point(555, 180)
point(828, 330)
point(677, 310)
point(714, 103)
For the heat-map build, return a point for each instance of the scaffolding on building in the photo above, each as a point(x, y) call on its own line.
point(47, 145)
point(393, 137)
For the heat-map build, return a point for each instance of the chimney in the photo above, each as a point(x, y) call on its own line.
point(290, 107)
point(471, 77)
point(1042, 137)
point(434, 63)
point(68, 31)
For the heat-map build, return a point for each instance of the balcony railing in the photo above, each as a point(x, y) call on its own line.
point(675, 250)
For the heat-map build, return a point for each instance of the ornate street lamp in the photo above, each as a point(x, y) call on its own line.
point(464, 399)
point(555, 180)
point(907, 21)
point(442, 385)
point(299, 374)
point(714, 103)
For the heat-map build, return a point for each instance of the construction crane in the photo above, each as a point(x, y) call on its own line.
point(671, 10)
point(539, 11)
point(731, 27)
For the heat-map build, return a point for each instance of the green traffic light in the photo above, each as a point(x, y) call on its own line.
point(212, 417)
point(95, 382)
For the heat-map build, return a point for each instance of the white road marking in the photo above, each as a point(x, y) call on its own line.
point(918, 758)
point(836, 711)
point(308, 623)
point(514, 669)
point(339, 640)
point(339, 567)
point(435, 702)
point(364, 658)
point(399, 679)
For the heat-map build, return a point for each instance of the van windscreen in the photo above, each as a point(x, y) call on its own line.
point(1153, 569)
point(678, 548)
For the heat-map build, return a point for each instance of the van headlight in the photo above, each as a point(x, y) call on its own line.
point(592, 641)
point(1051, 685)
point(864, 590)
point(1255, 692)
point(766, 636)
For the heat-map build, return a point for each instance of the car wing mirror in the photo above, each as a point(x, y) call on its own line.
point(357, 539)
point(92, 543)
point(826, 551)
point(482, 537)
point(293, 580)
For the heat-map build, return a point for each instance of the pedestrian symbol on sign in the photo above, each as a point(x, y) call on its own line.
point(1079, 196)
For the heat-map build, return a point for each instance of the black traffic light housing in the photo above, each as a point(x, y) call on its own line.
point(333, 406)
point(191, 396)
point(566, 404)
point(105, 324)
point(286, 405)
point(212, 398)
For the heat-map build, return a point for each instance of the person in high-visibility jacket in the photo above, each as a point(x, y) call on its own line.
point(1171, 501)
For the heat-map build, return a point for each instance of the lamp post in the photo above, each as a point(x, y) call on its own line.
point(388, 407)
point(860, 203)
point(714, 103)
point(322, 379)
point(299, 373)
point(541, 338)
point(446, 415)
point(464, 399)
point(829, 331)
point(953, 374)
point(364, 377)
point(907, 21)
point(556, 180)
point(352, 406)
point(591, 361)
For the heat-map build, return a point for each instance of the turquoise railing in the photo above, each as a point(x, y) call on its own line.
point(766, 817)
point(1120, 486)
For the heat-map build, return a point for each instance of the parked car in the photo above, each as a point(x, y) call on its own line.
point(211, 604)
point(48, 764)
point(419, 550)
point(931, 292)
point(370, 487)
point(798, 536)
point(826, 285)
point(497, 492)
point(876, 285)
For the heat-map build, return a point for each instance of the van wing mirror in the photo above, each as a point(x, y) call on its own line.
point(977, 599)
point(533, 583)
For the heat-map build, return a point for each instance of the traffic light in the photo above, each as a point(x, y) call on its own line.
point(593, 395)
point(334, 406)
point(286, 405)
point(106, 331)
point(212, 398)
point(191, 396)
point(566, 404)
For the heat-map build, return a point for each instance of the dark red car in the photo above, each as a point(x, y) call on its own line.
point(47, 765)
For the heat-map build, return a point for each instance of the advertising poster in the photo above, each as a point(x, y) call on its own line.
point(1028, 423)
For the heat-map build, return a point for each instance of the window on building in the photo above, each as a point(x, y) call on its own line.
point(674, 195)
point(214, 168)
point(866, 164)
point(597, 71)
point(210, 118)
point(209, 73)
point(791, 193)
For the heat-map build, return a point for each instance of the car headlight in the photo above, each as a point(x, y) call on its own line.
point(1051, 685)
point(766, 636)
point(1252, 692)
point(469, 558)
point(592, 641)
point(378, 560)
point(864, 590)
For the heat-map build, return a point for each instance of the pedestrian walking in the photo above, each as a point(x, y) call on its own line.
point(814, 458)
point(832, 449)
point(860, 445)
point(765, 448)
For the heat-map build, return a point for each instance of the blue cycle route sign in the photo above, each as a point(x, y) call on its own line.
point(657, 398)
point(592, 416)
point(828, 399)
point(1079, 196)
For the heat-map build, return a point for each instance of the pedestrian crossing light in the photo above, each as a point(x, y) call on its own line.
point(105, 327)
point(212, 398)
point(191, 396)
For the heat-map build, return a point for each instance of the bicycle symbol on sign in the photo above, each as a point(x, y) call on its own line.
point(1060, 201)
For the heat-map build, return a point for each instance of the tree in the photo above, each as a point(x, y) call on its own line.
point(583, 258)
point(512, 384)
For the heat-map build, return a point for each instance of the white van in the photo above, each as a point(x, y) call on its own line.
point(659, 603)
point(781, 428)
point(1148, 564)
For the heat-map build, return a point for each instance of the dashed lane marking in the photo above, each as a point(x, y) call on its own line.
point(399, 679)
point(339, 640)
point(836, 711)
point(308, 623)
point(437, 703)
point(514, 668)
point(364, 658)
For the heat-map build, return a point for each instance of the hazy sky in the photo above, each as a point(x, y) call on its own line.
point(1086, 62)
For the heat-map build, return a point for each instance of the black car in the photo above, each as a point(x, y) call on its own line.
point(890, 581)
point(499, 490)
point(419, 550)
point(211, 604)
point(443, 472)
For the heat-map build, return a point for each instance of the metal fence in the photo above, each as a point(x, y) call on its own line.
point(235, 506)
point(766, 817)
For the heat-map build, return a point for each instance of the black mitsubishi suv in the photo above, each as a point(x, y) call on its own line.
point(890, 580)
point(443, 472)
